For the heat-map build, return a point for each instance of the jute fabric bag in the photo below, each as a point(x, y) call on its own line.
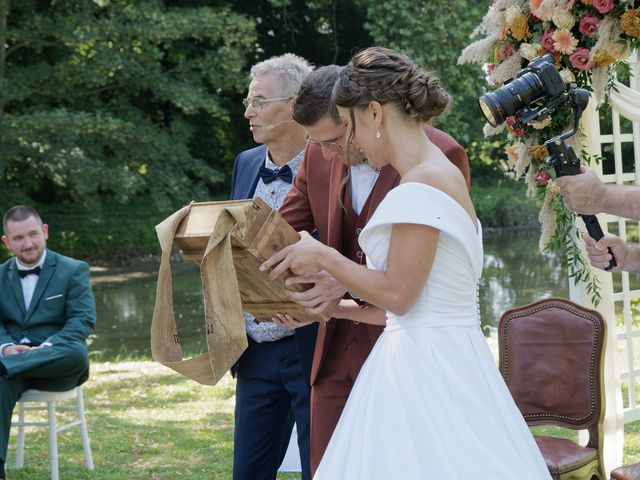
point(225, 327)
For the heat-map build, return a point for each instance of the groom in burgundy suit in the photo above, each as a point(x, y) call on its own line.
point(317, 202)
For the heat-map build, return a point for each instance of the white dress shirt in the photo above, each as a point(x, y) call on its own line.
point(29, 282)
point(363, 178)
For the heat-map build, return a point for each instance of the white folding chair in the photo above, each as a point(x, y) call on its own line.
point(50, 399)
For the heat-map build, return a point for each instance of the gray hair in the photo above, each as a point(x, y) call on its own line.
point(288, 70)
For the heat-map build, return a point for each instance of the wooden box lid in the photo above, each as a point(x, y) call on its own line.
point(266, 233)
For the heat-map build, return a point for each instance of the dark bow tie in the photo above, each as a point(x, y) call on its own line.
point(267, 175)
point(33, 271)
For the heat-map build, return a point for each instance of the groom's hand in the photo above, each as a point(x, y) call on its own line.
point(325, 288)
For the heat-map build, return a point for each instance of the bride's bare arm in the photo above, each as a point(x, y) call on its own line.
point(370, 314)
point(411, 253)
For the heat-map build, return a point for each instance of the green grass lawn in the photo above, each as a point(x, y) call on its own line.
point(147, 422)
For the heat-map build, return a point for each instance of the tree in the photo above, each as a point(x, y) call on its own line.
point(322, 31)
point(433, 33)
point(111, 99)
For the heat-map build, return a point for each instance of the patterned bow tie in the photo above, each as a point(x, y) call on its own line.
point(267, 175)
point(33, 271)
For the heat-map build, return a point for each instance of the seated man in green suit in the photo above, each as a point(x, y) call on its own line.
point(47, 311)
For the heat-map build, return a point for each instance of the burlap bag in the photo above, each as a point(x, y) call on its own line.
point(225, 328)
point(231, 281)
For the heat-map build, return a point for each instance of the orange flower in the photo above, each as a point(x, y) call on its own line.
point(538, 152)
point(586, 2)
point(520, 28)
point(630, 23)
point(534, 6)
point(602, 59)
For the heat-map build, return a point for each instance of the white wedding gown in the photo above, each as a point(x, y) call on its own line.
point(429, 403)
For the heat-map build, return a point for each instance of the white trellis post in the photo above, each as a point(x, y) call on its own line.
point(613, 424)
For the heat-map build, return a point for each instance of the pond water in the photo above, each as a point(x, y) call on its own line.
point(514, 274)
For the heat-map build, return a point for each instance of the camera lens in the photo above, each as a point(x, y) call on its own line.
point(507, 100)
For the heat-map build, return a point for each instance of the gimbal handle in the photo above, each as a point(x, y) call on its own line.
point(565, 162)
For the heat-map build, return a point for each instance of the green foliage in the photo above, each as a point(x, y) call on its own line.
point(502, 203)
point(635, 315)
point(322, 31)
point(111, 233)
point(104, 100)
point(566, 240)
point(113, 113)
point(434, 33)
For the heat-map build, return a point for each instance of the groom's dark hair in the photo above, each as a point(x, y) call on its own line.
point(313, 99)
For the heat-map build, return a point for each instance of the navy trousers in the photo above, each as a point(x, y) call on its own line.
point(272, 391)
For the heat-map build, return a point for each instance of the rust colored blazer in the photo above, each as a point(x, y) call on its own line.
point(313, 204)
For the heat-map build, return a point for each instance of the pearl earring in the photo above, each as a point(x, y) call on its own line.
point(378, 136)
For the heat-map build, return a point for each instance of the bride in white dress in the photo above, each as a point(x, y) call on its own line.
point(429, 403)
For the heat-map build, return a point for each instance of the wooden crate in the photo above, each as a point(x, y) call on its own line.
point(266, 234)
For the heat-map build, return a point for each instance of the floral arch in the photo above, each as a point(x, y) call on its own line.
point(592, 43)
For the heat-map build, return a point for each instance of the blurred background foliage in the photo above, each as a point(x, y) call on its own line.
point(114, 113)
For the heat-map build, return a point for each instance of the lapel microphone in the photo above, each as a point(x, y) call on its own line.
point(276, 125)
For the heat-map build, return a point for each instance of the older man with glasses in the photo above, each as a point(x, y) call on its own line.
point(272, 389)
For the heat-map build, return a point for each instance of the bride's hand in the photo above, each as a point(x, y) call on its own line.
point(302, 258)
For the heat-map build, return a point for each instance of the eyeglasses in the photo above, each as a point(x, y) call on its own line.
point(333, 146)
point(257, 103)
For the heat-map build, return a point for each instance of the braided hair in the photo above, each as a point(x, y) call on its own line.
point(387, 76)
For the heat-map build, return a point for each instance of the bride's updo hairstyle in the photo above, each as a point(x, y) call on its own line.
point(387, 76)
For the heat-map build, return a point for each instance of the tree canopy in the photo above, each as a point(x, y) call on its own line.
point(138, 102)
point(107, 99)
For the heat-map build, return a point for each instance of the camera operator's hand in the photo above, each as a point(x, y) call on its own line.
point(627, 256)
point(583, 193)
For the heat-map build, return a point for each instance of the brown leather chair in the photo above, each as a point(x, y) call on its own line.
point(551, 357)
point(628, 472)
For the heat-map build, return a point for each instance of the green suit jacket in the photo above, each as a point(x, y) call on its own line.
point(62, 309)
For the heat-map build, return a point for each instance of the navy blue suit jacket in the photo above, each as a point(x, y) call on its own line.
point(246, 172)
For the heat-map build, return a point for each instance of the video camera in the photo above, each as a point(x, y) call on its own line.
point(533, 95)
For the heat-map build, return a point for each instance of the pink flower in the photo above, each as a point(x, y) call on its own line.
point(505, 51)
point(603, 6)
point(517, 132)
point(589, 25)
point(581, 59)
point(542, 179)
point(547, 40)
